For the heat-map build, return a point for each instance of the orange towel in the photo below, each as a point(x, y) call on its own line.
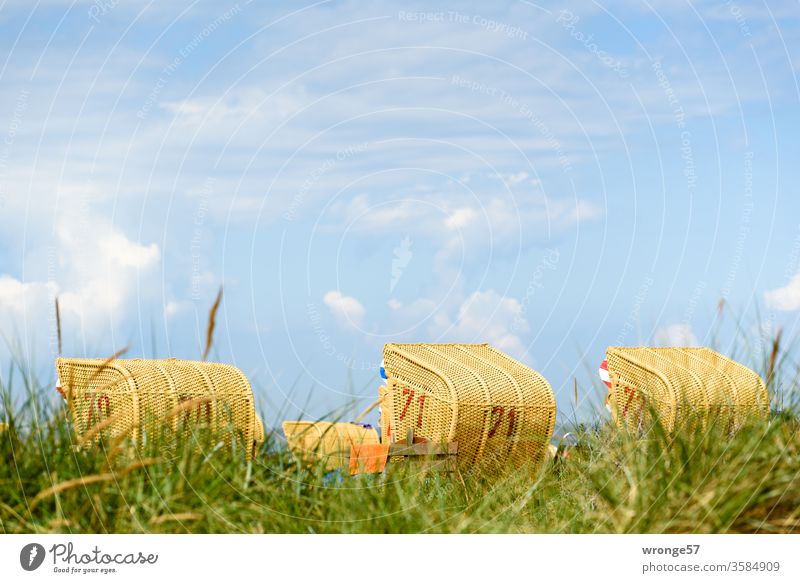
point(368, 458)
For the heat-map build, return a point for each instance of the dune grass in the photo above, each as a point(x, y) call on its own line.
point(697, 481)
point(693, 481)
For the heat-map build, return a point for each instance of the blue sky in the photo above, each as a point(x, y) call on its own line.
point(552, 178)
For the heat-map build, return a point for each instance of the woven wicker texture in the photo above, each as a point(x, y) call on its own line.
point(137, 396)
point(677, 383)
point(312, 441)
point(386, 412)
point(496, 408)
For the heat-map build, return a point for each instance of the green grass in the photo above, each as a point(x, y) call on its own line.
point(693, 482)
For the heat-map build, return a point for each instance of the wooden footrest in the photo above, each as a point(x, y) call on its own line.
point(423, 449)
point(372, 458)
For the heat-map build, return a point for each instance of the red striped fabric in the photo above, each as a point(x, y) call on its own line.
point(604, 376)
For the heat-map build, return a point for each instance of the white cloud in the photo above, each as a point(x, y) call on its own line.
point(787, 298)
point(94, 272)
point(485, 316)
point(99, 266)
point(410, 315)
point(460, 218)
point(17, 296)
point(504, 216)
point(676, 335)
point(120, 250)
point(174, 308)
point(347, 310)
point(252, 106)
point(378, 217)
point(516, 178)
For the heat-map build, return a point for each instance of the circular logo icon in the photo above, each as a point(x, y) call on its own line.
point(31, 556)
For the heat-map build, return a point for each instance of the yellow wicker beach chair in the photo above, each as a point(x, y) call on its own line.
point(497, 409)
point(679, 384)
point(136, 397)
point(312, 441)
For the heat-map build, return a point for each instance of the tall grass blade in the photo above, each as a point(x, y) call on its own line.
point(212, 321)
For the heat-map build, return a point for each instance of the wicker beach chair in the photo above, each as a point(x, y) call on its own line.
point(137, 397)
point(323, 441)
point(679, 384)
point(496, 409)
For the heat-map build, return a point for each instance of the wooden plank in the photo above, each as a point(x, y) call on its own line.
point(423, 449)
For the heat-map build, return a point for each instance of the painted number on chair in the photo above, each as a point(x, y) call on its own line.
point(97, 405)
point(496, 418)
point(631, 397)
point(409, 395)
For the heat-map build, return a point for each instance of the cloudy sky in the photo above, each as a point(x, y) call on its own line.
point(551, 178)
